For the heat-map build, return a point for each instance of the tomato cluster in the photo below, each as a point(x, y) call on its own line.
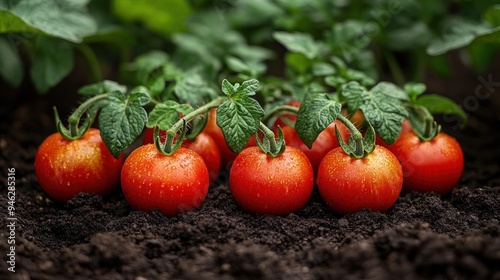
point(260, 181)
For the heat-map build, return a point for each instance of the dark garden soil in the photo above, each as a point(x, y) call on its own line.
point(424, 236)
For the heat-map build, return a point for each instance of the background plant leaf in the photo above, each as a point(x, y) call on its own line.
point(52, 61)
point(67, 20)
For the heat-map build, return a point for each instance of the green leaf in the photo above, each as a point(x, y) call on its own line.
point(67, 20)
point(166, 114)
point(105, 86)
point(414, 90)
point(461, 33)
point(298, 62)
point(390, 90)
point(354, 95)
point(300, 43)
point(250, 69)
point(239, 119)
point(316, 112)
point(227, 88)
point(323, 69)
point(350, 37)
point(437, 104)
point(52, 61)
point(191, 88)
point(248, 87)
point(11, 66)
point(162, 16)
point(492, 15)
point(121, 120)
point(384, 112)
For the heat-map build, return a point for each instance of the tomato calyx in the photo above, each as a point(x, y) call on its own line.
point(278, 111)
point(358, 146)
point(269, 144)
point(173, 140)
point(423, 123)
point(75, 130)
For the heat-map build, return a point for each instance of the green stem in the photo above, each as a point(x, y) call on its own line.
point(359, 151)
point(201, 110)
point(280, 109)
point(75, 131)
point(74, 118)
point(93, 62)
point(169, 147)
point(269, 134)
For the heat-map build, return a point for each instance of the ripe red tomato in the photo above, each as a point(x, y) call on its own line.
point(405, 127)
point(65, 168)
point(349, 185)
point(204, 145)
point(227, 156)
point(434, 165)
point(267, 185)
point(171, 184)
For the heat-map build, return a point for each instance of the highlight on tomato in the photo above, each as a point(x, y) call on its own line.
point(65, 167)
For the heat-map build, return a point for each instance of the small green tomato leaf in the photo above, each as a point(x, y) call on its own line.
point(413, 90)
point(166, 114)
point(101, 87)
point(299, 43)
point(390, 90)
point(248, 87)
point(227, 88)
point(239, 119)
point(437, 104)
point(139, 96)
point(121, 120)
point(316, 112)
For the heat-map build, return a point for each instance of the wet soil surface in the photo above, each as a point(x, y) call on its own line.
point(424, 236)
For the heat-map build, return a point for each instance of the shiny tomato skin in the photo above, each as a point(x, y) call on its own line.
point(267, 185)
point(227, 156)
point(348, 185)
point(436, 165)
point(204, 145)
point(321, 146)
point(65, 168)
point(170, 184)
